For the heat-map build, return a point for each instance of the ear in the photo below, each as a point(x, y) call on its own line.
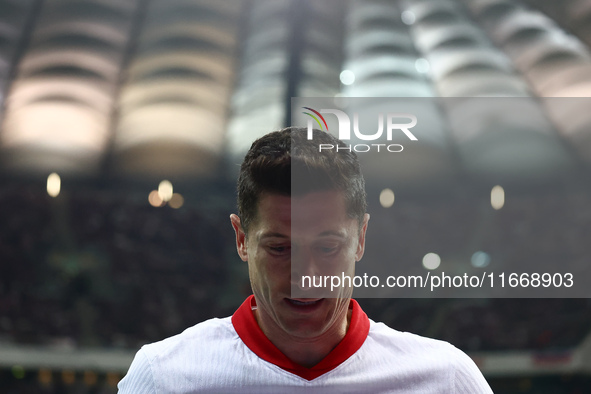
point(240, 237)
point(361, 241)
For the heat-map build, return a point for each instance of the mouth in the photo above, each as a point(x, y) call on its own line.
point(304, 304)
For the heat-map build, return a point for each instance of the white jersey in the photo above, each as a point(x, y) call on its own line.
point(232, 355)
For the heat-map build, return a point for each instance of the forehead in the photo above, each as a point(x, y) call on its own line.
point(317, 209)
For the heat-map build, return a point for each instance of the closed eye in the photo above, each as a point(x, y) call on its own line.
point(327, 249)
point(279, 250)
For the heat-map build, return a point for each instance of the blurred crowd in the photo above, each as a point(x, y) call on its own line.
point(45, 381)
point(104, 269)
point(541, 233)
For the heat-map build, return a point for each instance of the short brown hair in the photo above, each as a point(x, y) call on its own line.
point(286, 162)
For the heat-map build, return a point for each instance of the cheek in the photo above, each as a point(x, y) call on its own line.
point(258, 276)
point(266, 273)
point(348, 257)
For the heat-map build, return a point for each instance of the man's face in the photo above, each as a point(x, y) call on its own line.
point(313, 232)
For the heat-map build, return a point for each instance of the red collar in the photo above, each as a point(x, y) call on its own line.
point(251, 334)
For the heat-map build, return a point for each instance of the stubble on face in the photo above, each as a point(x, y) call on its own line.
point(308, 231)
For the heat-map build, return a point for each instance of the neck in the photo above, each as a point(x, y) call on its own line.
point(307, 352)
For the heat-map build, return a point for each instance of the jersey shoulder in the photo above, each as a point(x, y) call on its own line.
point(426, 359)
point(198, 339)
point(174, 362)
point(406, 342)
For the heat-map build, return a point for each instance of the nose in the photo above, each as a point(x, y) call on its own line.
point(302, 264)
point(308, 277)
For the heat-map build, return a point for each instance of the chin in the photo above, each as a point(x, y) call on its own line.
point(306, 329)
point(306, 332)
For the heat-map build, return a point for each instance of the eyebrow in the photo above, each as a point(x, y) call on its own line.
point(338, 234)
point(272, 235)
point(328, 233)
